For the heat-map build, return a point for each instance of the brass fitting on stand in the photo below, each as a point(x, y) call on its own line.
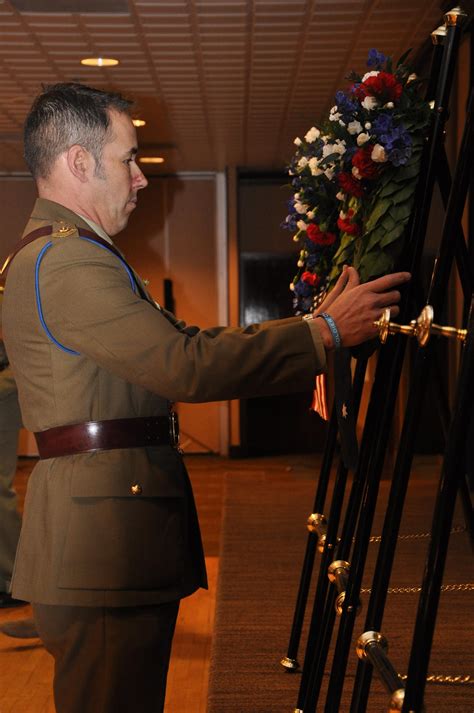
point(373, 646)
point(289, 664)
point(338, 574)
point(422, 328)
point(438, 35)
point(454, 17)
point(318, 525)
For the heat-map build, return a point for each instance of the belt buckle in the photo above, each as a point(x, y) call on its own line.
point(174, 431)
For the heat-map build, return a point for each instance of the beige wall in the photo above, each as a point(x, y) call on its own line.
point(173, 234)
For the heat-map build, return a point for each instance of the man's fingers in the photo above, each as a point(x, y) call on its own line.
point(352, 278)
point(386, 299)
point(382, 284)
point(340, 284)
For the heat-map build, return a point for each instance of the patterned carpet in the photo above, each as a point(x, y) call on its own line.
point(264, 538)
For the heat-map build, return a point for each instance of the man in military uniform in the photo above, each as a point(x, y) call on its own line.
point(10, 424)
point(110, 540)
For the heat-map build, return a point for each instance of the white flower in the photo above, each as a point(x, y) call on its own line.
point(412, 77)
point(389, 105)
point(369, 103)
point(340, 196)
point(354, 127)
point(301, 225)
point(378, 154)
point(310, 214)
point(367, 125)
point(292, 287)
point(303, 162)
point(300, 208)
point(362, 139)
point(341, 122)
point(342, 215)
point(300, 263)
point(314, 166)
point(335, 117)
point(329, 173)
point(296, 196)
point(369, 74)
point(312, 135)
point(297, 141)
point(355, 172)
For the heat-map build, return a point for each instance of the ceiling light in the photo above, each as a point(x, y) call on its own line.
point(152, 159)
point(138, 122)
point(99, 62)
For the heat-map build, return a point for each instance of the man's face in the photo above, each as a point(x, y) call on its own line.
point(117, 180)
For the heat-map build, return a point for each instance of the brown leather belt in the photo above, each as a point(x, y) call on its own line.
point(108, 435)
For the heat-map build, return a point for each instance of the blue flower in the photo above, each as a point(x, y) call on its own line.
point(394, 138)
point(302, 289)
point(382, 124)
point(376, 59)
point(345, 106)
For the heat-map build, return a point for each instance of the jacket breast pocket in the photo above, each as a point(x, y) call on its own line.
point(124, 534)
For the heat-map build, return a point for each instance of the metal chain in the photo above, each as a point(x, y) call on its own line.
point(466, 587)
point(419, 535)
point(458, 680)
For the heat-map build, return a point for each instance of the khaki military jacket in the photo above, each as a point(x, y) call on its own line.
point(84, 346)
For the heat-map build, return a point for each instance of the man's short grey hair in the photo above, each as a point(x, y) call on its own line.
point(64, 115)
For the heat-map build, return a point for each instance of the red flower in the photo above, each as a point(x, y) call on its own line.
point(345, 225)
point(362, 161)
point(383, 86)
point(313, 232)
point(350, 185)
point(310, 278)
point(316, 235)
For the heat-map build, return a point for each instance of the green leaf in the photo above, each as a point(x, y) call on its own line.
point(392, 235)
point(400, 212)
point(404, 194)
point(374, 265)
point(379, 210)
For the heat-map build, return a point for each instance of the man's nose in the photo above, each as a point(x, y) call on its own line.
point(139, 180)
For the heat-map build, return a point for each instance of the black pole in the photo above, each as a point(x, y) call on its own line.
point(453, 470)
point(318, 616)
point(311, 545)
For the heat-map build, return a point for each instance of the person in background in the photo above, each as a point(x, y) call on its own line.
point(10, 520)
point(110, 540)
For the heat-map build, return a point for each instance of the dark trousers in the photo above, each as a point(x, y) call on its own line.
point(108, 659)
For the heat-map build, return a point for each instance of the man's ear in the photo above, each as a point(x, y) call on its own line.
point(80, 162)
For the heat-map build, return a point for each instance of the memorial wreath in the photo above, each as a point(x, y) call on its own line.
point(354, 179)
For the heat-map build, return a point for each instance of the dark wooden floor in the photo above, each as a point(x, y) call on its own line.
point(26, 669)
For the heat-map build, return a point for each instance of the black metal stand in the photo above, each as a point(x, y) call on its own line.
point(363, 497)
point(420, 378)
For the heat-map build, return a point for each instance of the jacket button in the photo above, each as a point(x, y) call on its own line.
point(136, 489)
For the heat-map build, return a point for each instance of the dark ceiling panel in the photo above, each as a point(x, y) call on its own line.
point(82, 6)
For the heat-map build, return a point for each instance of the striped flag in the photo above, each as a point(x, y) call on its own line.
point(320, 402)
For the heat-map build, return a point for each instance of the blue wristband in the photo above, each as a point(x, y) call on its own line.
point(336, 337)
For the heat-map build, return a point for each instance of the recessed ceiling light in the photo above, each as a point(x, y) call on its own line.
point(138, 122)
point(152, 159)
point(99, 62)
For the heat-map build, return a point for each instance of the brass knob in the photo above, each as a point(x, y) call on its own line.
point(421, 328)
point(386, 327)
point(136, 489)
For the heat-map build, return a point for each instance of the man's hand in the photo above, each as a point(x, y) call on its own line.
point(355, 307)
